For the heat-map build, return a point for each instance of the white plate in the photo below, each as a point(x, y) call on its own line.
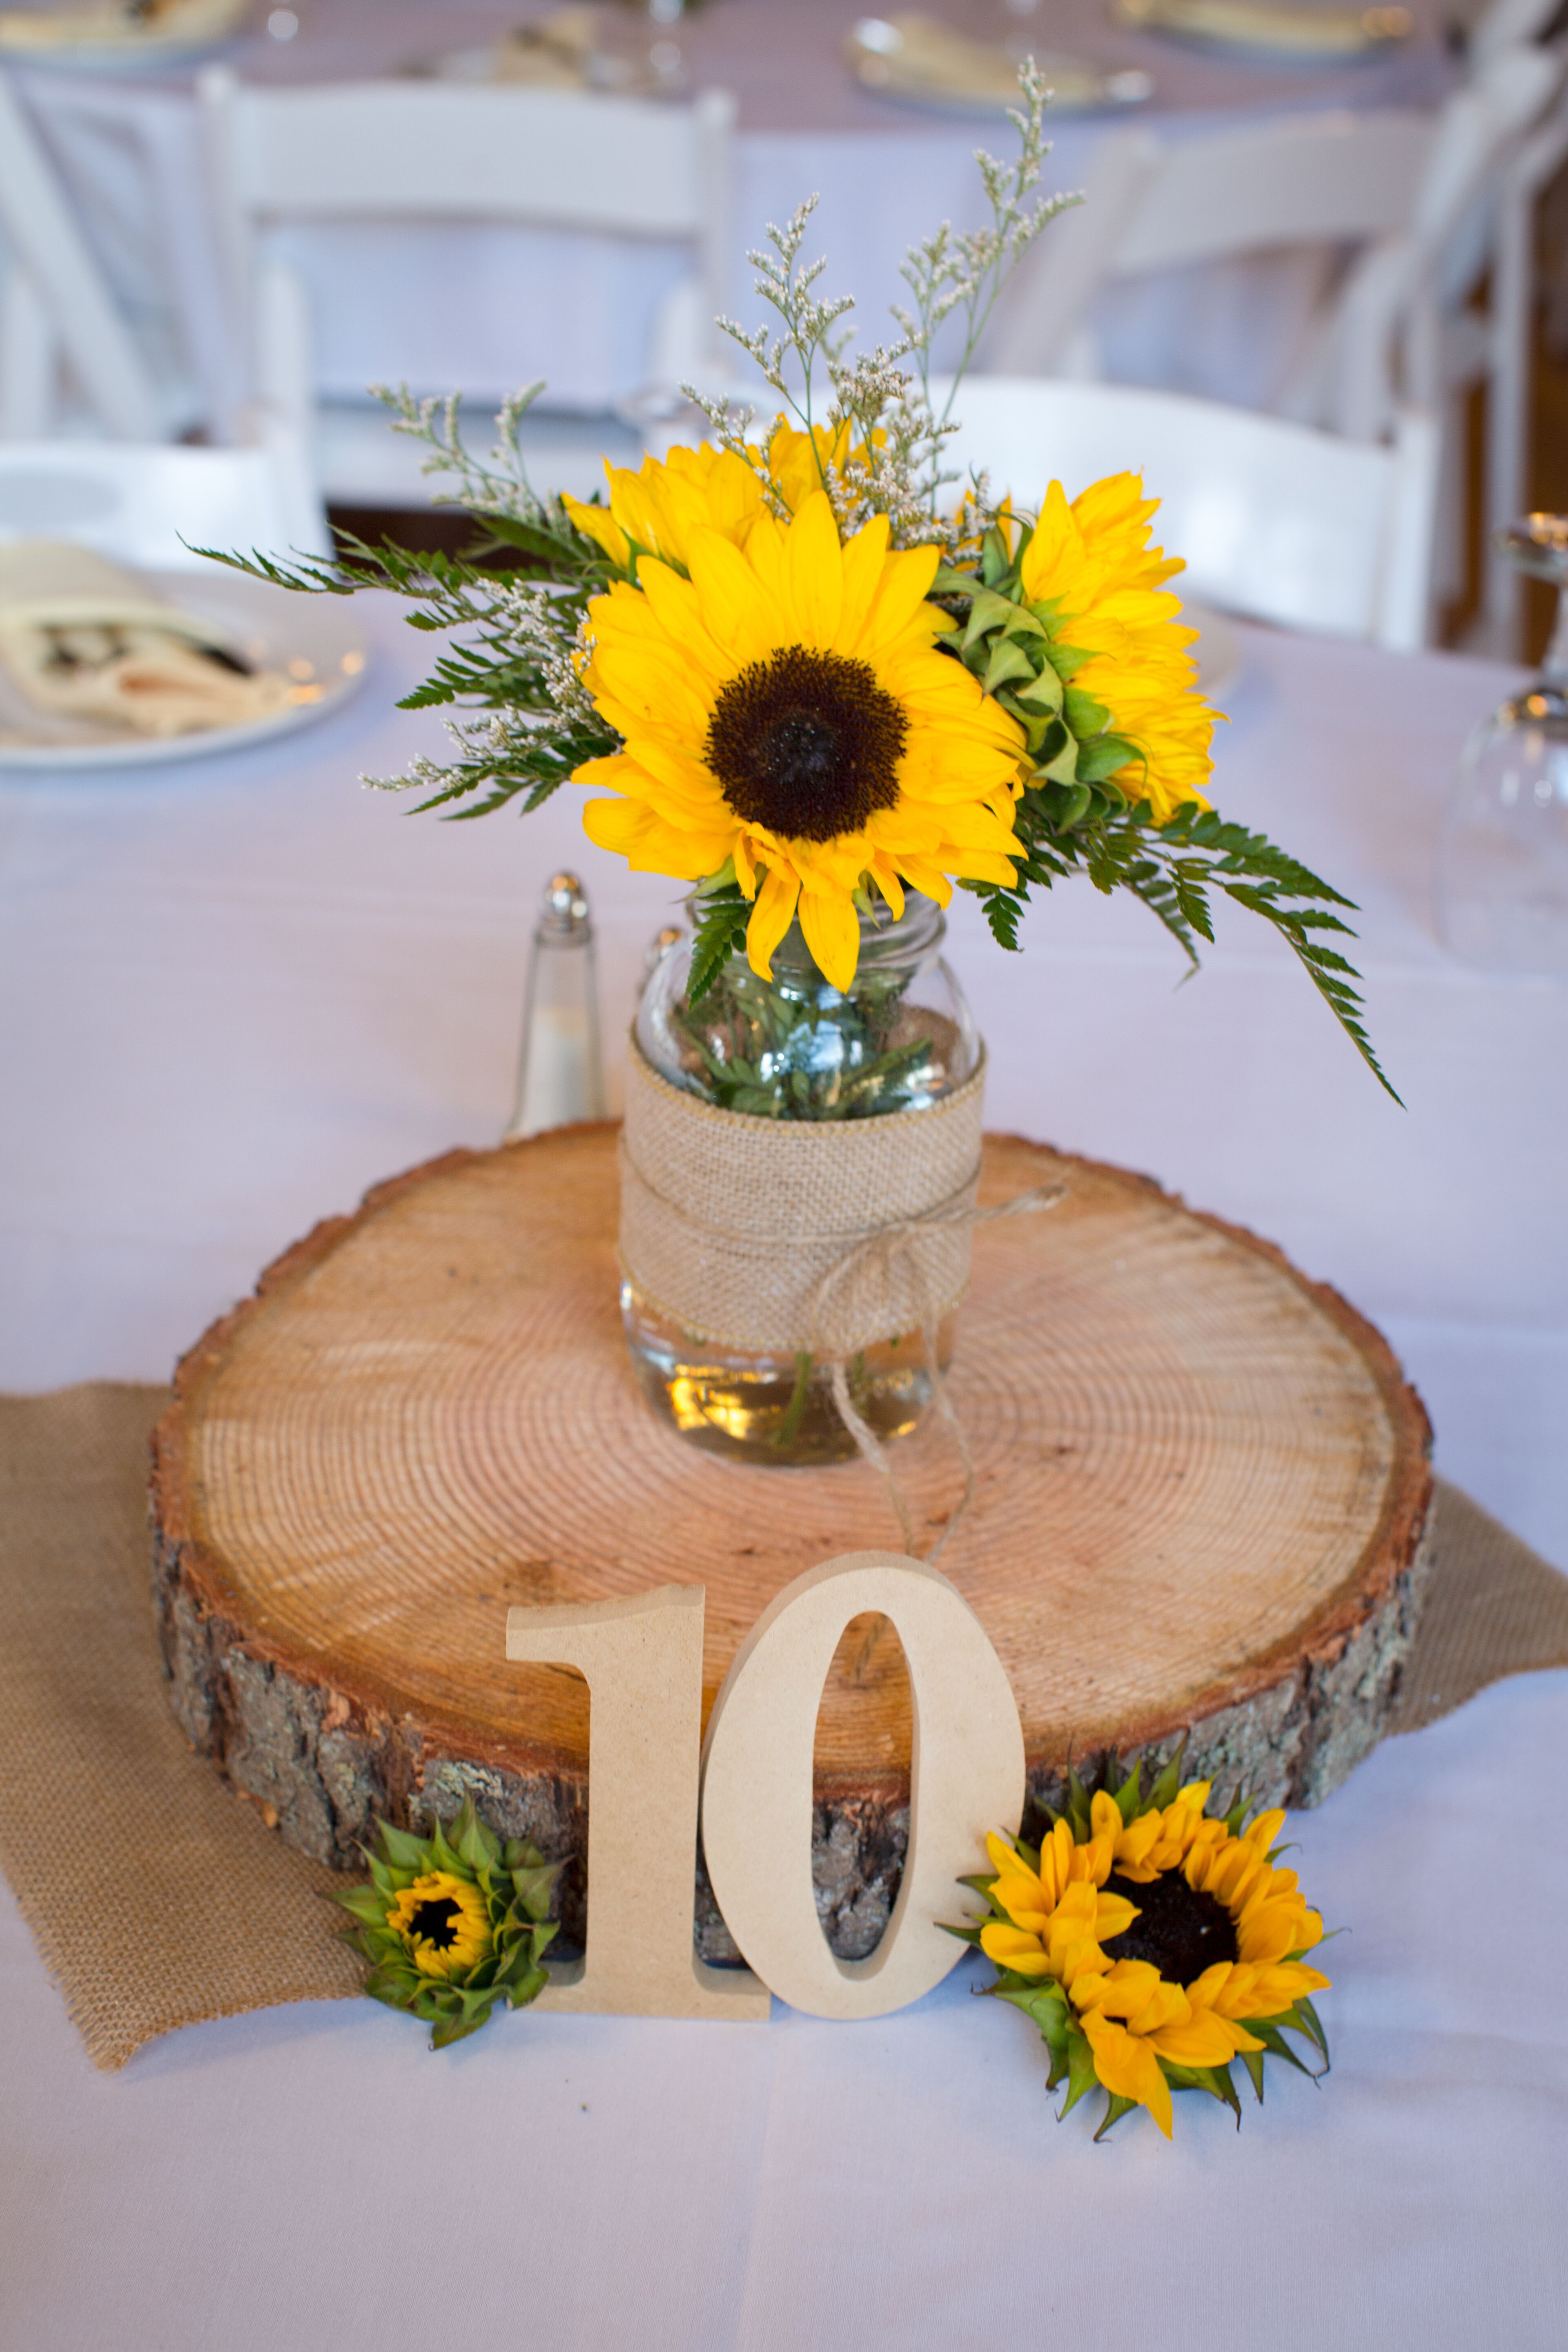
point(28, 36)
point(918, 61)
point(1288, 32)
point(316, 640)
point(1218, 652)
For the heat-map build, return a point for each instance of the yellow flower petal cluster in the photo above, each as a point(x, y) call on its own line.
point(798, 461)
point(1060, 1919)
point(444, 1923)
point(657, 510)
point(1092, 560)
point(806, 671)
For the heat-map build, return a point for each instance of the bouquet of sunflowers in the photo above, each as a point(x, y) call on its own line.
point(805, 670)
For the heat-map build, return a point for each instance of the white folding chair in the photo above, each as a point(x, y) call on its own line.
point(1409, 330)
point(1276, 520)
point(55, 306)
point(622, 168)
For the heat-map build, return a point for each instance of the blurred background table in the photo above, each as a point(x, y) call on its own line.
point(490, 306)
point(239, 990)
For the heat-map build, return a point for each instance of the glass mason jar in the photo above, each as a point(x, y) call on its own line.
point(898, 1041)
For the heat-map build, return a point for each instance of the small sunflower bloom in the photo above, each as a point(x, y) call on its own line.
point(1154, 1943)
point(451, 1923)
point(444, 1923)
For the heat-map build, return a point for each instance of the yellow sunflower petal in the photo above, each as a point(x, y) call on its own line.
point(1010, 1949)
point(772, 912)
point(1129, 2067)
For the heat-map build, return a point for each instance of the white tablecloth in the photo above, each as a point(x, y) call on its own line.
point(489, 309)
point(240, 990)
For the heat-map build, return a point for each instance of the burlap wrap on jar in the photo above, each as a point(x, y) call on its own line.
point(779, 1235)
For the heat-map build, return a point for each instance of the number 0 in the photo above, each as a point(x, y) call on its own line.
point(967, 1777)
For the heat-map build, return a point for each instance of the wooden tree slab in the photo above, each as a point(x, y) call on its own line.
point(1202, 1487)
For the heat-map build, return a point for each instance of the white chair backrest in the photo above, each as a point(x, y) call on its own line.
point(1275, 521)
point(1387, 322)
point(55, 301)
point(1508, 25)
point(1329, 178)
point(151, 507)
point(400, 150)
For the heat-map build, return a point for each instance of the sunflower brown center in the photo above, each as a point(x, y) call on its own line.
point(1181, 1932)
point(435, 1921)
point(807, 744)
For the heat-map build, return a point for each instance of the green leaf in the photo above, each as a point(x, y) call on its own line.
point(1114, 2110)
point(1043, 692)
point(1128, 1796)
point(1309, 2016)
point(987, 614)
point(1267, 2032)
point(1008, 660)
point(456, 2029)
point(474, 1842)
point(402, 1848)
point(536, 1886)
point(1213, 2080)
point(528, 1989)
point(365, 1902)
point(1106, 755)
point(1253, 2060)
point(1046, 2007)
point(1083, 714)
point(1168, 1781)
point(1061, 765)
point(1081, 2076)
point(720, 933)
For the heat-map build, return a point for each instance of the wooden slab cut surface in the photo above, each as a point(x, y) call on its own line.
point(1201, 1486)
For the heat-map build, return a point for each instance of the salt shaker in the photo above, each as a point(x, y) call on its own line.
point(560, 1071)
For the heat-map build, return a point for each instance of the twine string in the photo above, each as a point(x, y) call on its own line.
point(880, 1243)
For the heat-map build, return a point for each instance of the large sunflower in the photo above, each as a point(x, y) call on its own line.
point(785, 707)
point(1092, 562)
point(1156, 1940)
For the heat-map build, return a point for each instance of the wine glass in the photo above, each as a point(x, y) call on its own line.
point(1502, 858)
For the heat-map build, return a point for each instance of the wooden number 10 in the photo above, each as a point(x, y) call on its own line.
point(642, 1661)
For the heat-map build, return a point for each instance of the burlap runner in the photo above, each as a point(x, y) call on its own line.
point(158, 1898)
point(730, 1225)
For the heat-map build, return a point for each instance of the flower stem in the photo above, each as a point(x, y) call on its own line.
point(788, 1429)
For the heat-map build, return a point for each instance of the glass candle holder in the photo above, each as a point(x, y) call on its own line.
point(1502, 857)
